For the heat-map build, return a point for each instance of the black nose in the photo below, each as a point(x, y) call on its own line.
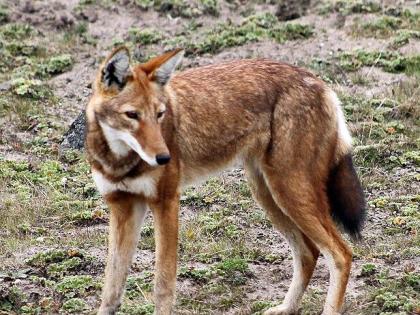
point(162, 159)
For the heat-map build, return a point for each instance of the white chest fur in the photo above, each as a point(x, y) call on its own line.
point(145, 185)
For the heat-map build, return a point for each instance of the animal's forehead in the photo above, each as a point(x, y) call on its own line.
point(134, 99)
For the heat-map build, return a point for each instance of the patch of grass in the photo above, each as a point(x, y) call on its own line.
point(252, 29)
point(258, 307)
point(384, 128)
point(177, 8)
point(74, 305)
point(393, 294)
point(291, 31)
point(144, 4)
point(73, 286)
point(87, 217)
point(136, 286)
point(406, 94)
point(210, 7)
point(136, 309)
point(403, 211)
point(329, 71)
point(55, 264)
point(368, 270)
point(12, 298)
point(387, 60)
point(59, 64)
point(198, 275)
point(382, 27)
point(87, 2)
point(19, 48)
point(25, 188)
point(31, 88)
point(144, 36)
point(385, 26)
point(411, 20)
point(312, 302)
point(78, 34)
point(347, 7)
point(230, 266)
point(4, 15)
point(16, 31)
point(234, 270)
point(43, 259)
point(359, 79)
point(181, 8)
point(64, 267)
point(403, 37)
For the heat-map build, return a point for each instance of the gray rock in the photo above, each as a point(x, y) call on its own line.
point(74, 138)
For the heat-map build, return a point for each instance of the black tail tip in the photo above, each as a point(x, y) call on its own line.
point(347, 200)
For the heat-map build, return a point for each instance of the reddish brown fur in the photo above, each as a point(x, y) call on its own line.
point(273, 116)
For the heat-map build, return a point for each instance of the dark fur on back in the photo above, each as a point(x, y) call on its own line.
point(347, 201)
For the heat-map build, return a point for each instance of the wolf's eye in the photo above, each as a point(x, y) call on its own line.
point(132, 115)
point(160, 114)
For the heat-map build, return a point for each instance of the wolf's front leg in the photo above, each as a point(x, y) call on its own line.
point(166, 232)
point(126, 217)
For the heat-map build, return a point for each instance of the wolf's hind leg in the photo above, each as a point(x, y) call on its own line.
point(126, 218)
point(304, 252)
point(307, 206)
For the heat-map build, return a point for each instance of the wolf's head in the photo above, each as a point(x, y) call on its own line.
point(129, 104)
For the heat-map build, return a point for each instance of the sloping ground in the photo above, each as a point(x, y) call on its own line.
point(53, 224)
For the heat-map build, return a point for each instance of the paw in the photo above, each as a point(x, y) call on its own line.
point(280, 310)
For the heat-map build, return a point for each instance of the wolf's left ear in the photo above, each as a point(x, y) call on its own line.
point(164, 72)
point(116, 69)
point(160, 68)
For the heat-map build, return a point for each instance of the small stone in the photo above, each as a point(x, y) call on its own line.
point(5, 85)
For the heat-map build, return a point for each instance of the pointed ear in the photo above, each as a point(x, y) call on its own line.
point(116, 69)
point(160, 68)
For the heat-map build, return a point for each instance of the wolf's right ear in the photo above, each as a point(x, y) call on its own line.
point(116, 69)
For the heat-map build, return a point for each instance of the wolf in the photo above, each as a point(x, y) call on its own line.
point(153, 131)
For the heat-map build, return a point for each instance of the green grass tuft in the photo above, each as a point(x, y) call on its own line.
point(74, 305)
point(347, 7)
point(81, 285)
point(59, 64)
point(252, 29)
point(389, 61)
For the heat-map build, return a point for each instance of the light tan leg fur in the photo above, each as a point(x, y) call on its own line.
point(305, 254)
point(126, 217)
point(166, 232)
point(307, 206)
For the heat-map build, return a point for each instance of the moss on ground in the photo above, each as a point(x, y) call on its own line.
point(252, 29)
point(347, 7)
point(386, 26)
point(389, 61)
point(181, 8)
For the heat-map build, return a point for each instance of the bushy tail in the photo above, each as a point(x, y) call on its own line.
point(347, 201)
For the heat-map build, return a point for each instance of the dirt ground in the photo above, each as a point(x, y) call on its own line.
point(53, 223)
